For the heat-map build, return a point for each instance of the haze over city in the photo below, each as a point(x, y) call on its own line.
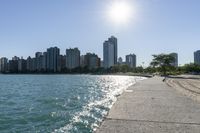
point(152, 27)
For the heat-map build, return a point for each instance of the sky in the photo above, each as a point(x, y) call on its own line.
point(156, 26)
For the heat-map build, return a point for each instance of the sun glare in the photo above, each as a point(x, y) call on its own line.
point(120, 12)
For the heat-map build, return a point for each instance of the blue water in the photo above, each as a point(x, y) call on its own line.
point(57, 103)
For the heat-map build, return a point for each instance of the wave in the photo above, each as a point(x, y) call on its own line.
point(90, 117)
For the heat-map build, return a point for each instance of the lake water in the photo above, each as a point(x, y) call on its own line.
point(58, 103)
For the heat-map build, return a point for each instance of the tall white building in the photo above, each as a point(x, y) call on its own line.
point(72, 58)
point(197, 57)
point(110, 52)
point(131, 60)
point(175, 62)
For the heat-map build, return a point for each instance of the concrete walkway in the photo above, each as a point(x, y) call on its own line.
point(152, 107)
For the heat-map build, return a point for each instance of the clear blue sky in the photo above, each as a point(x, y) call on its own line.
point(161, 26)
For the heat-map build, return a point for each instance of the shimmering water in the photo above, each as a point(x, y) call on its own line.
point(57, 103)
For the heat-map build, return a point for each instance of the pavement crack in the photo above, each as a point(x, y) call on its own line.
point(166, 122)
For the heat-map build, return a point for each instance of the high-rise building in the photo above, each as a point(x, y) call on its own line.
point(82, 60)
point(44, 61)
point(62, 60)
point(13, 64)
point(3, 64)
point(22, 65)
point(101, 63)
point(33, 64)
point(28, 64)
point(0, 65)
point(72, 58)
point(131, 60)
point(91, 61)
point(120, 60)
point(110, 52)
point(38, 61)
point(15, 58)
point(53, 64)
point(197, 57)
point(175, 62)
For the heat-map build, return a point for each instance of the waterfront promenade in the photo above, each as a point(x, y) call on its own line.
point(151, 106)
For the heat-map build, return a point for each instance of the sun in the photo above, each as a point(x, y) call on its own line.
point(120, 12)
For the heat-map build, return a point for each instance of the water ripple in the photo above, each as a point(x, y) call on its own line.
point(58, 103)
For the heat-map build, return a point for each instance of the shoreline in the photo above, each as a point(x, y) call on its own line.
point(127, 90)
point(114, 74)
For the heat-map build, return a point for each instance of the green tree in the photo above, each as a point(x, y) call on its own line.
point(124, 68)
point(163, 61)
point(191, 68)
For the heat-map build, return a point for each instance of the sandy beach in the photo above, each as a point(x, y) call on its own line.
point(188, 85)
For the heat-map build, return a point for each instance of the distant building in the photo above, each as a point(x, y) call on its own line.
point(53, 64)
point(175, 62)
point(15, 58)
point(3, 64)
point(38, 61)
point(197, 57)
point(72, 58)
point(82, 61)
point(62, 60)
point(101, 64)
point(131, 60)
point(22, 65)
point(13, 64)
point(33, 64)
point(120, 60)
point(44, 62)
point(28, 64)
point(110, 52)
point(91, 61)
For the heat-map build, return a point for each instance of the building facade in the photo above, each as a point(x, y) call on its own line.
point(38, 61)
point(82, 60)
point(44, 62)
point(120, 60)
point(175, 62)
point(91, 60)
point(13, 64)
point(197, 57)
point(3, 64)
point(110, 52)
point(53, 64)
point(28, 64)
point(72, 58)
point(131, 60)
point(22, 65)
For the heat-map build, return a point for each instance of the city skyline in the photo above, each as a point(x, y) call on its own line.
point(115, 61)
point(156, 27)
point(176, 55)
point(52, 60)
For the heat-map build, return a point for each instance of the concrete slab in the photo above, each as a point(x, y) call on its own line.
point(152, 106)
point(124, 126)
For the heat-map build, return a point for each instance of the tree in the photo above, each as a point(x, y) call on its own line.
point(124, 68)
point(163, 61)
point(191, 68)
